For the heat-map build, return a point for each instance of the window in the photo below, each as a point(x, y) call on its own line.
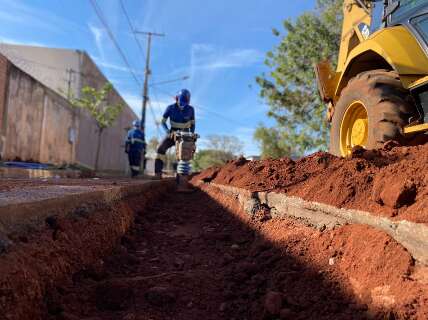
point(421, 25)
point(377, 15)
point(406, 7)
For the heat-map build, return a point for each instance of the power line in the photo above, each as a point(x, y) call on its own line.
point(125, 12)
point(218, 115)
point(170, 81)
point(154, 119)
point(156, 97)
point(158, 103)
point(17, 60)
point(133, 31)
point(113, 39)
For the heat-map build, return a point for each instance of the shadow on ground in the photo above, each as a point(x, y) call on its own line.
point(188, 257)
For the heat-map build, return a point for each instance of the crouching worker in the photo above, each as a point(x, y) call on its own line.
point(134, 147)
point(181, 117)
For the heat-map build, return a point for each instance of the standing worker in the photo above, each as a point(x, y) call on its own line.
point(181, 117)
point(134, 147)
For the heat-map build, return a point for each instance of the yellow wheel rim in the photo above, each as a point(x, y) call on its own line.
point(354, 128)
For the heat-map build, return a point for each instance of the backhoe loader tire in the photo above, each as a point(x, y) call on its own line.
point(389, 107)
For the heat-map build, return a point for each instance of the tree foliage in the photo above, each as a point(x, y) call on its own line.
point(96, 103)
point(272, 142)
point(290, 88)
point(229, 144)
point(208, 158)
point(219, 150)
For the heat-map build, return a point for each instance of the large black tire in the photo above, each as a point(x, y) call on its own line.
point(389, 107)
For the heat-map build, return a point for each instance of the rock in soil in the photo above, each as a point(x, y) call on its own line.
point(113, 295)
point(160, 296)
point(273, 302)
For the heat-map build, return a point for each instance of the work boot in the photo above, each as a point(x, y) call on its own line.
point(134, 174)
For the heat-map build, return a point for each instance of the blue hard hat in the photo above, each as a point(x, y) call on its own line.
point(183, 97)
point(136, 123)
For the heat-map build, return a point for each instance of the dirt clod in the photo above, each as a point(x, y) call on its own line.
point(68, 316)
point(286, 314)
point(160, 296)
point(394, 193)
point(113, 295)
point(273, 302)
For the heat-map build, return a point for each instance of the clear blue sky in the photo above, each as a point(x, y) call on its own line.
point(220, 44)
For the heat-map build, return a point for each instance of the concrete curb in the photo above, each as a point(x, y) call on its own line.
point(21, 212)
point(412, 236)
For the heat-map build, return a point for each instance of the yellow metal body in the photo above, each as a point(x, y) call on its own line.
point(398, 47)
point(354, 129)
point(353, 15)
point(418, 83)
point(416, 128)
point(393, 47)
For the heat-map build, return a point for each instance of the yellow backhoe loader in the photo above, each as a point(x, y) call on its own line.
point(379, 91)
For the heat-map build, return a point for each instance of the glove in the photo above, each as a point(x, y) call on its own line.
point(127, 148)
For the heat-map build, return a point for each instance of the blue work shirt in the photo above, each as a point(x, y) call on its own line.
point(135, 140)
point(179, 118)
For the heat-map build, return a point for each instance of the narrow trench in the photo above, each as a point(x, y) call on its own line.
point(187, 257)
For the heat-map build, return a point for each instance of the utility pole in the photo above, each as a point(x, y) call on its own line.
point(147, 73)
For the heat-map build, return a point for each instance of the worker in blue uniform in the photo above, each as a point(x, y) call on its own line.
point(181, 116)
point(134, 147)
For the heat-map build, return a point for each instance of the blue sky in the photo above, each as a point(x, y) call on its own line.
point(220, 44)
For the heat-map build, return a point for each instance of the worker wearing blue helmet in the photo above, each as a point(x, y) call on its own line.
point(181, 116)
point(134, 147)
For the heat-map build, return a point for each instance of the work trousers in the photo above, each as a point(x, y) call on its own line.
point(134, 157)
point(165, 144)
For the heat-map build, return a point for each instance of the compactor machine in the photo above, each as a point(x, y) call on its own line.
point(379, 90)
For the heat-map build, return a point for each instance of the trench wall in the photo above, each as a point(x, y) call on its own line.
point(49, 240)
point(412, 236)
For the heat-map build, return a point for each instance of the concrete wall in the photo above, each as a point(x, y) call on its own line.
point(55, 68)
point(37, 122)
point(51, 67)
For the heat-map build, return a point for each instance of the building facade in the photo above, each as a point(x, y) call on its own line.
point(37, 121)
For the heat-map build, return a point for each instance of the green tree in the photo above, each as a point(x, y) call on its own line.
point(96, 103)
point(208, 158)
point(219, 149)
point(228, 144)
point(272, 143)
point(290, 88)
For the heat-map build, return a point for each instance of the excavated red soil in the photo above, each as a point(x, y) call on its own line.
point(189, 257)
point(392, 182)
point(34, 264)
point(11, 184)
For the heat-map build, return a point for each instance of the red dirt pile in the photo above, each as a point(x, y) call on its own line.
point(392, 182)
